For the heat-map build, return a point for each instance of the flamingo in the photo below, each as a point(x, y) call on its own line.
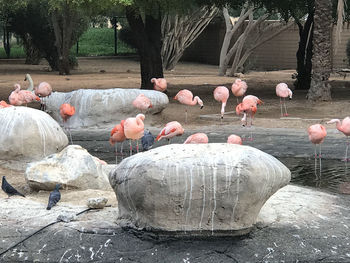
point(170, 130)
point(67, 111)
point(248, 105)
point(284, 92)
point(197, 138)
point(317, 134)
point(43, 90)
point(185, 96)
point(3, 104)
point(159, 84)
point(118, 135)
point(142, 102)
point(19, 97)
point(134, 129)
point(234, 139)
point(344, 127)
point(221, 94)
point(239, 88)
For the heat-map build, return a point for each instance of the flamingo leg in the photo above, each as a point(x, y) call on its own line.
point(281, 107)
point(316, 163)
point(137, 146)
point(130, 147)
point(168, 141)
point(121, 150)
point(320, 157)
point(116, 153)
point(186, 115)
point(346, 150)
point(285, 107)
point(237, 100)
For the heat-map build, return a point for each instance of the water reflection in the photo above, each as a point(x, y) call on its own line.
point(335, 174)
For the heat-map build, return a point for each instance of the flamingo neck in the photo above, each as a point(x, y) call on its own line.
point(223, 105)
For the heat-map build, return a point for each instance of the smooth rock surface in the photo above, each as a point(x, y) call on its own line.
point(73, 167)
point(28, 134)
point(199, 188)
point(97, 107)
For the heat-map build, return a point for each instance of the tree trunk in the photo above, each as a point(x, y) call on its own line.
point(33, 55)
point(304, 53)
point(148, 42)
point(320, 89)
point(6, 39)
point(63, 28)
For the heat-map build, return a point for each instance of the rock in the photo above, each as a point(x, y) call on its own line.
point(29, 135)
point(207, 188)
point(66, 217)
point(95, 107)
point(97, 203)
point(73, 167)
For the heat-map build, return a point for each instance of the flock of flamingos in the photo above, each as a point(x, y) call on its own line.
point(133, 128)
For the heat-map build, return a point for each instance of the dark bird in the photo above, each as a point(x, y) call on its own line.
point(147, 140)
point(54, 197)
point(9, 189)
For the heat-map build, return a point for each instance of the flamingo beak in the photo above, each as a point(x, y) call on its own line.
point(202, 106)
point(290, 98)
point(222, 117)
point(150, 106)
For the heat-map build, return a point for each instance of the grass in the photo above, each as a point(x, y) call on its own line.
point(94, 42)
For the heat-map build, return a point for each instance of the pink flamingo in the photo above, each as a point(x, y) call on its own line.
point(134, 129)
point(43, 90)
point(185, 96)
point(344, 127)
point(118, 135)
point(197, 138)
point(239, 88)
point(67, 111)
point(234, 139)
point(170, 130)
point(142, 102)
point(221, 94)
point(3, 104)
point(159, 84)
point(248, 105)
point(19, 97)
point(317, 134)
point(283, 91)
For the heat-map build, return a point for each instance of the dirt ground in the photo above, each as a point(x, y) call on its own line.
point(201, 79)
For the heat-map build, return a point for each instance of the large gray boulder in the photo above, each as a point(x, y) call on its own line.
point(97, 106)
point(207, 188)
point(27, 134)
point(73, 168)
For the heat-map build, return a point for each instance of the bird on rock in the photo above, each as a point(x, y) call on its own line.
point(170, 130)
point(159, 84)
point(221, 94)
point(185, 96)
point(3, 104)
point(317, 134)
point(284, 92)
point(197, 138)
point(9, 189)
point(344, 127)
point(239, 88)
point(54, 197)
point(43, 90)
point(142, 102)
point(147, 140)
point(234, 139)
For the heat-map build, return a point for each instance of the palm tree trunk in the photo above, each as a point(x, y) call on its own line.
point(320, 89)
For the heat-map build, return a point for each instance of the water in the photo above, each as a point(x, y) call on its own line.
point(335, 174)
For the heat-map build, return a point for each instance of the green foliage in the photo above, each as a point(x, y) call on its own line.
point(100, 42)
point(17, 51)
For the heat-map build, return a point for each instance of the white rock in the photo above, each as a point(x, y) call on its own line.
point(96, 107)
point(97, 203)
point(73, 167)
point(201, 188)
point(28, 134)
